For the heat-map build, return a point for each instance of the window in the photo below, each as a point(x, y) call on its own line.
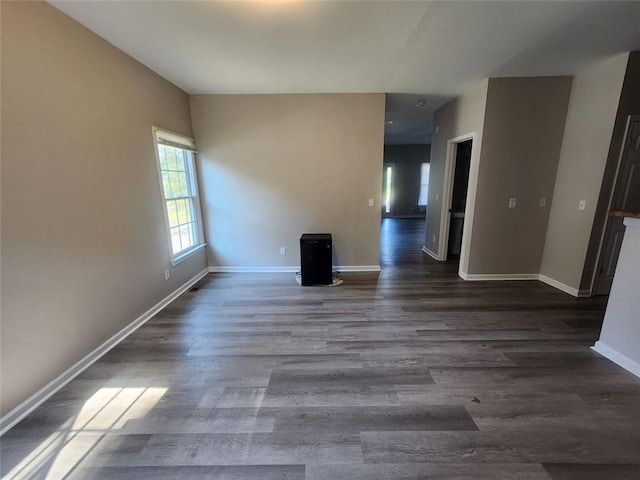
point(180, 192)
point(387, 189)
point(424, 184)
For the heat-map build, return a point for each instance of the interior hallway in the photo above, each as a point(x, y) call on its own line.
point(401, 241)
point(412, 373)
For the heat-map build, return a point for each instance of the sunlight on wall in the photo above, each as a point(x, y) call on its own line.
point(107, 410)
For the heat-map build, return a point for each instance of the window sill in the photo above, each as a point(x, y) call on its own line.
point(186, 254)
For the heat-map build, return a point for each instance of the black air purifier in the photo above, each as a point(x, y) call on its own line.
point(315, 259)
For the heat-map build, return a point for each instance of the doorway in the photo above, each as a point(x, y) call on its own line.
point(625, 196)
point(454, 198)
point(459, 198)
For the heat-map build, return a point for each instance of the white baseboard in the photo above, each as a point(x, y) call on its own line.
point(564, 287)
point(339, 268)
point(525, 276)
point(35, 400)
point(254, 269)
point(357, 268)
point(476, 277)
point(430, 253)
point(617, 358)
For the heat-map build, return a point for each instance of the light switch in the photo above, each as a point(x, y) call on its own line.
point(512, 203)
point(543, 202)
point(582, 205)
point(437, 197)
point(371, 202)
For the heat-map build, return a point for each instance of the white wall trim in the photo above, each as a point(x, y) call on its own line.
point(358, 268)
point(447, 192)
point(564, 287)
point(607, 222)
point(35, 400)
point(430, 253)
point(522, 276)
point(497, 276)
point(255, 269)
point(276, 269)
point(617, 358)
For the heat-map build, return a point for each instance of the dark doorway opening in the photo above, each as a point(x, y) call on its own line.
point(626, 197)
point(459, 198)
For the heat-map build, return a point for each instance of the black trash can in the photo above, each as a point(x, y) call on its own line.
point(315, 259)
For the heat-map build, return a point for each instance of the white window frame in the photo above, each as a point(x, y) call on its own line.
point(165, 137)
point(423, 193)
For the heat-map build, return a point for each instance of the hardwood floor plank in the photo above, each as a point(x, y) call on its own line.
point(422, 471)
point(497, 446)
point(202, 420)
point(309, 396)
point(592, 471)
point(434, 360)
point(239, 449)
point(350, 377)
point(226, 472)
point(369, 418)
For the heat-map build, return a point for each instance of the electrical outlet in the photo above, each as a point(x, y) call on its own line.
point(433, 239)
point(582, 205)
point(512, 203)
point(437, 197)
point(371, 202)
point(542, 203)
point(283, 250)
point(167, 274)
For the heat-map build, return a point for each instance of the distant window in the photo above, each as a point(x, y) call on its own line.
point(387, 189)
point(424, 185)
point(180, 192)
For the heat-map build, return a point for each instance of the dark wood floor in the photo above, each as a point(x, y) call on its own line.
point(409, 374)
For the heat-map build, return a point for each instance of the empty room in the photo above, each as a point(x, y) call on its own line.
point(320, 240)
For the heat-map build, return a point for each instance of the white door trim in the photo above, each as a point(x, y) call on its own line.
point(447, 192)
point(616, 181)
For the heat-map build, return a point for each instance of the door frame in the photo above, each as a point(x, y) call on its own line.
point(447, 193)
point(607, 224)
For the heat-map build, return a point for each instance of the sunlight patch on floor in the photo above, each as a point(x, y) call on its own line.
point(108, 410)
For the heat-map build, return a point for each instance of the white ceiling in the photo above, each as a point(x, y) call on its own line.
point(420, 49)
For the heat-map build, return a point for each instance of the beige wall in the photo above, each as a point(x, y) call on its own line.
point(461, 116)
point(276, 166)
point(588, 130)
point(83, 241)
point(620, 334)
point(524, 123)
